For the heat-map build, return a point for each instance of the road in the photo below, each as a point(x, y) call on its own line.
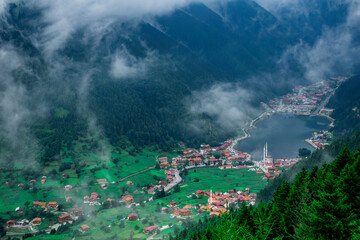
point(177, 180)
point(235, 142)
point(323, 104)
point(259, 117)
point(247, 135)
point(133, 174)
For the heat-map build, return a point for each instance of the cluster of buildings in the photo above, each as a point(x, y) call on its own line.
point(153, 188)
point(47, 205)
point(284, 162)
point(303, 100)
point(219, 200)
point(320, 139)
point(218, 203)
point(205, 156)
point(270, 166)
point(93, 199)
point(64, 217)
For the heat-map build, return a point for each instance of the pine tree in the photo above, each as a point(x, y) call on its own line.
point(349, 186)
point(245, 217)
point(326, 218)
point(340, 162)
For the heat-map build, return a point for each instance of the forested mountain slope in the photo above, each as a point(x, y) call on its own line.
point(346, 103)
point(131, 77)
point(317, 158)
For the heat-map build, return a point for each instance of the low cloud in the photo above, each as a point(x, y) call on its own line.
point(125, 65)
point(64, 17)
point(296, 7)
point(3, 4)
point(17, 111)
point(335, 51)
point(276, 5)
point(229, 104)
point(332, 53)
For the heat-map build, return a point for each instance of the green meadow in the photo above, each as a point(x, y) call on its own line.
point(117, 168)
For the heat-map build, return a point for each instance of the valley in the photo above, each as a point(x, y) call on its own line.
point(101, 191)
point(179, 119)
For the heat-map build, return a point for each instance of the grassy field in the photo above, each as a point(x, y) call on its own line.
point(222, 180)
point(207, 179)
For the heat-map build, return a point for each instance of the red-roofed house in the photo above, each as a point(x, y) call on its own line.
point(133, 217)
point(200, 193)
point(164, 165)
point(40, 204)
point(182, 212)
point(151, 229)
point(85, 227)
point(64, 217)
point(173, 203)
point(163, 159)
point(129, 199)
point(36, 221)
point(10, 223)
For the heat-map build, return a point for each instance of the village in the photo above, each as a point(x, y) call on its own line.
point(320, 139)
point(222, 157)
point(305, 99)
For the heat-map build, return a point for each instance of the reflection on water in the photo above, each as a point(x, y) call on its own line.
point(285, 134)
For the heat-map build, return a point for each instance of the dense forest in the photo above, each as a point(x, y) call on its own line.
point(319, 204)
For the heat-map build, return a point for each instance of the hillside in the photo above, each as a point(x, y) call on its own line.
point(132, 79)
point(346, 103)
point(137, 79)
point(122, 119)
point(320, 204)
point(318, 158)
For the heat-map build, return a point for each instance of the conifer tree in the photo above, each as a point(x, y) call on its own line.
point(340, 162)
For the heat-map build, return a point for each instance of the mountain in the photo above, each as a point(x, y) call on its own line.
point(134, 78)
point(346, 103)
point(165, 59)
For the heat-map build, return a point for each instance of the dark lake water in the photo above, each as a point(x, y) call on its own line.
point(284, 133)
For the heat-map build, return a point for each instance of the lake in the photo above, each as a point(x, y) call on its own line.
point(284, 133)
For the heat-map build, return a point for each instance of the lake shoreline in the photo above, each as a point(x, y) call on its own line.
point(303, 119)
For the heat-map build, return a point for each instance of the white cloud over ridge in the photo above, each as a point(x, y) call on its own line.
point(336, 48)
point(124, 65)
point(15, 114)
point(63, 17)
